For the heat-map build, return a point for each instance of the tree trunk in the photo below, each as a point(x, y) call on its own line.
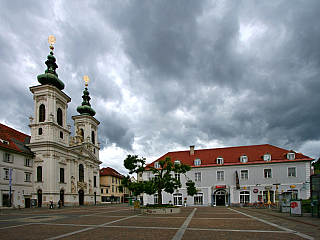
point(159, 196)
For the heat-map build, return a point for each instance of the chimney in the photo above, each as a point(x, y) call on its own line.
point(192, 150)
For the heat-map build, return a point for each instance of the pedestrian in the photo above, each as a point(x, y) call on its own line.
point(51, 204)
point(59, 203)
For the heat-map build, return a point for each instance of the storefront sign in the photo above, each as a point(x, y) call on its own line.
point(255, 190)
point(220, 186)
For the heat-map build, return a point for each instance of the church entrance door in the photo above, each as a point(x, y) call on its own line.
point(81, 197)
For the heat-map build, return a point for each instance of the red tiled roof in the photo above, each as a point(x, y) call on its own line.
point(15, 139)
point(108, 171)
point(231, 155)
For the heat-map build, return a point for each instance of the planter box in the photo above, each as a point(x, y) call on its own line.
point(159, 210)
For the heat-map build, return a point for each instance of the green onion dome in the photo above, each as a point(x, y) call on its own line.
point(50, 76)
point(85, 108)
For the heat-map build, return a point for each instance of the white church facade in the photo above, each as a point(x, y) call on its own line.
point(63, 167)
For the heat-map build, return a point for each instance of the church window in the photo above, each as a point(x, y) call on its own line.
point(39, 174)
point(93, 137)
point(40, 131)
point(42, 113)
point(61, 134)
point(81, 173)
point(59, 116)
point(82, 132)
point(94, 181)
point(62, 175)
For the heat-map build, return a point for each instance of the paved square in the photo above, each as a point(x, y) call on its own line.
point(122, 222)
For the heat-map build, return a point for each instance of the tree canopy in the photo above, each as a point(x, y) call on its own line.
point(166, 177)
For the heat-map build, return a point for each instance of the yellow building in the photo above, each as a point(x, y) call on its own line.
point(110, 180)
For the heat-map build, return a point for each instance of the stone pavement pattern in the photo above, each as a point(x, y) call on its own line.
point(119, 221)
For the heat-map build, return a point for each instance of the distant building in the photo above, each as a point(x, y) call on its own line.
point(110, 180)
point(232, 175)
point(17, 159)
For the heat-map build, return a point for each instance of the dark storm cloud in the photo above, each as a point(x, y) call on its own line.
point(169, 74)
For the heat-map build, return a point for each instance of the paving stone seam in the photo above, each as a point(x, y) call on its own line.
point(183, 228)
point(87, 229)
point(291, 219)
point(275, 225)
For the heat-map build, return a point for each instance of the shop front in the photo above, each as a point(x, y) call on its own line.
point(220, 195)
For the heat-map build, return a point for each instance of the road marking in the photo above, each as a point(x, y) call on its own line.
point(276, 225)
point(184, 226)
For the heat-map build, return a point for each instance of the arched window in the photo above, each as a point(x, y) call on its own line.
point(93, 137)
point(39, 174)
point(59, 116)
point(42, 113)
point(81, 173)
point(82, 133)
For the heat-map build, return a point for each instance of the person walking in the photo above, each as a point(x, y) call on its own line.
point(59, 203)
point(51, 204)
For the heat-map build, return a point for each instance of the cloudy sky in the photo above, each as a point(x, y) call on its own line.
point(169, 74)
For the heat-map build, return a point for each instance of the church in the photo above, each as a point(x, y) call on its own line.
point(64, 168)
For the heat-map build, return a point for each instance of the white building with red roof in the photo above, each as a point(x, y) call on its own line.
point(15, 168)
point(232, 175)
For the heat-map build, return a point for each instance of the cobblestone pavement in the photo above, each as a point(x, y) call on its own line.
point(119, 221)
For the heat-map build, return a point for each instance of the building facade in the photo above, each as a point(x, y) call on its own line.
point(16, 168)
point(110, 180)
point(247, 174)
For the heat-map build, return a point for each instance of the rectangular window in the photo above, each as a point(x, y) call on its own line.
point(27, 162)
point(6, 174)
point(291, 172)
point(155, 199)
point(94, 181)
point(107, 191)
point(177, 176)
point(101, 190)
point(267, 173)
point(244, 174)
point(198, 198)
point(62, 175)
point(112, 188)
point(220, 175)
point(39, 174)
point(197, 177)
point(7, 157)
point(28, 177)
point(112, 181)
point(219, 161)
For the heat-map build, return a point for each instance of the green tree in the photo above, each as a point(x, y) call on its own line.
point(163, 177)
point(316, 166)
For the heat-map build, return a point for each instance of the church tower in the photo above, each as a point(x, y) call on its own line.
point(65, 169)
point(86, 126)
point(50, 107)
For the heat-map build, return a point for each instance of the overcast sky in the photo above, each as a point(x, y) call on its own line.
point(165, 75)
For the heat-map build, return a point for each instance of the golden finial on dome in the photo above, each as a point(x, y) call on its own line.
point(51, 40)
point(86, 79)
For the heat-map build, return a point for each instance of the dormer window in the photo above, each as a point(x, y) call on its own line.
point(197, 162)
point(291, 156)
point(244, 158)
point(4, 142)
point(177, 162)
point(156, 165)
point(267, 157)
point(220, 160)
